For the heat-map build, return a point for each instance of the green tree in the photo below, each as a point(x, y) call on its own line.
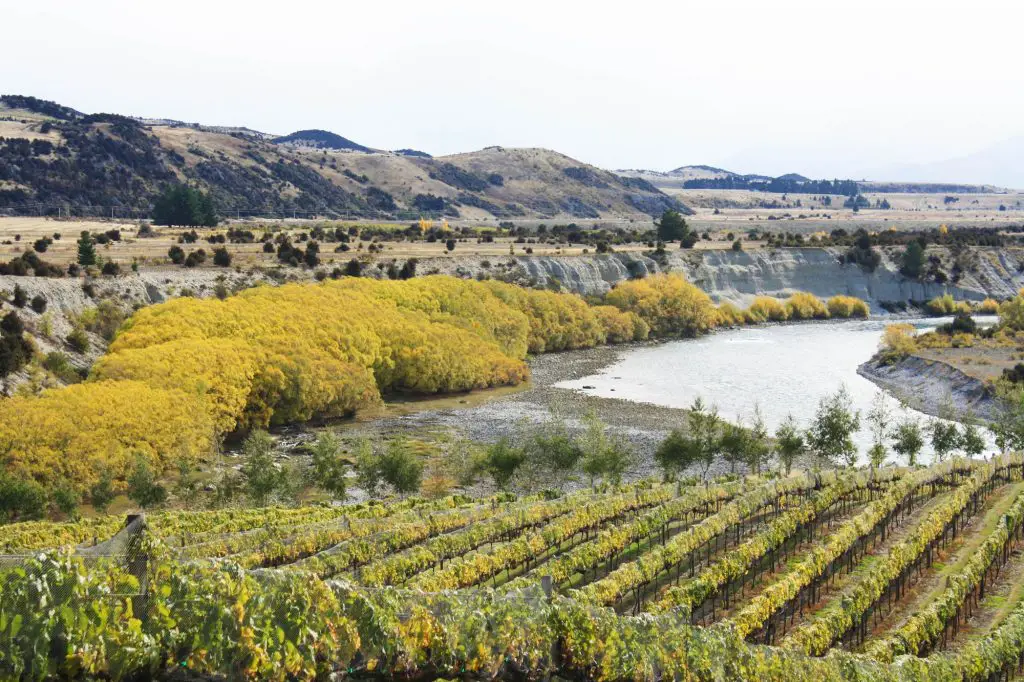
point(400, 467)
point(945, 438)
point(879, 419)
point(672, 227)
point(698, 446)
point(789, 443)
point(971, 440)
point(734, 444)
point(501, 461)
point(675, 454)
point(327, 468)
point(913, 260)
point(830, 434)
point(185, 206)
point(907, 440)
point(21, 499)
point(554, 451)
point(101, 494)
point(143, 488)
point(1008, 426)
point(758, 447)
point(603, 457)
point(261, 475)
point(86, 249)
point(66, 499)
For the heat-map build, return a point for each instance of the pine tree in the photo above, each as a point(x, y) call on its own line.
point(86, 249)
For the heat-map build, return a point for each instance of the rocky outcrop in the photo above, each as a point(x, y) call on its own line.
point(927, 384)
point(738, 276)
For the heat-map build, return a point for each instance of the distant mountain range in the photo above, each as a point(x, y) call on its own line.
point(1000, 164)
point(711, 177)
point(52, 155)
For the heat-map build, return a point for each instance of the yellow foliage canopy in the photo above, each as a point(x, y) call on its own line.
point(71, 433)
point(667, 303)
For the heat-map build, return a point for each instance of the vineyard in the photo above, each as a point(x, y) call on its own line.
point(888, 574)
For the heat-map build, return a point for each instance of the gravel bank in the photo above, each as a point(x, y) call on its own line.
point(927, 384)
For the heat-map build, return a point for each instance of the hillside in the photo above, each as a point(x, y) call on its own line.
point(51, 156)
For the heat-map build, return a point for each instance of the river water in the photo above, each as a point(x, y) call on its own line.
point(782, 369)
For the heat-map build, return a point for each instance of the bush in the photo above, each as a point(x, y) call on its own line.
point(962, 324)
point(78, 340)
point(177, 254)
point(58, 364)
point(847, 306)
point(941, 305)
point(898, 341)
point(398, 466)
point(21, 500)
point(111, 268)
point(766, 308)
point(20, 297)
point(66, 499)
point(197, 257)
point(263, 478)
point(667, 303)
point(143, 488)
point(15, 349)
point(221, 257)
point(804, 306)
point(39, 303)
point(327, 468)
point(501, 461)
point(101, 494)
point(730, 315)
point(988, 307)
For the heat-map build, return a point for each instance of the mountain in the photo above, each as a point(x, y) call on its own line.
point(998, 165)
point(320, 139)
point(52, 155)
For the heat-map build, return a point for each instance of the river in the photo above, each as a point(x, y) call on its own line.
point(782, 369)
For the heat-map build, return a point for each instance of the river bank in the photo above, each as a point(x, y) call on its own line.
point(930, 385)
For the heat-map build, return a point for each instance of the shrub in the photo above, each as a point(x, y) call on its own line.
point(78, 340)
point(143, 488)
point(898, 341)
point(804, 306)
point(197, 257)
point(398, 466)
point(59, 364)
point(20, 297)
point(15, 349)
point(941, 305)
point(21, 500)
point(730, 315)
point(177, 254)
point(667, 303)
point(766, 308)
point(988, 307)
point(101, 493)
point(501, 461)
point(847, 306)
point(111, 268)
point(221, 257)
point(39, 303)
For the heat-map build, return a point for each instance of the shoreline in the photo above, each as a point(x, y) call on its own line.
point(927, 384)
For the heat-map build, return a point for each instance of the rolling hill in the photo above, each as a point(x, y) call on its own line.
point(53, 155)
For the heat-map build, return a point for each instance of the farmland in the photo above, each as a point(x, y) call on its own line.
point(901, 574)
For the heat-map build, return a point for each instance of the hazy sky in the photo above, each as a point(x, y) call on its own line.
point(822, 88)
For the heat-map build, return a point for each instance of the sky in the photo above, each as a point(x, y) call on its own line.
point(826, 89)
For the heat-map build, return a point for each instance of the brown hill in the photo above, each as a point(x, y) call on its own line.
point(52, 155)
